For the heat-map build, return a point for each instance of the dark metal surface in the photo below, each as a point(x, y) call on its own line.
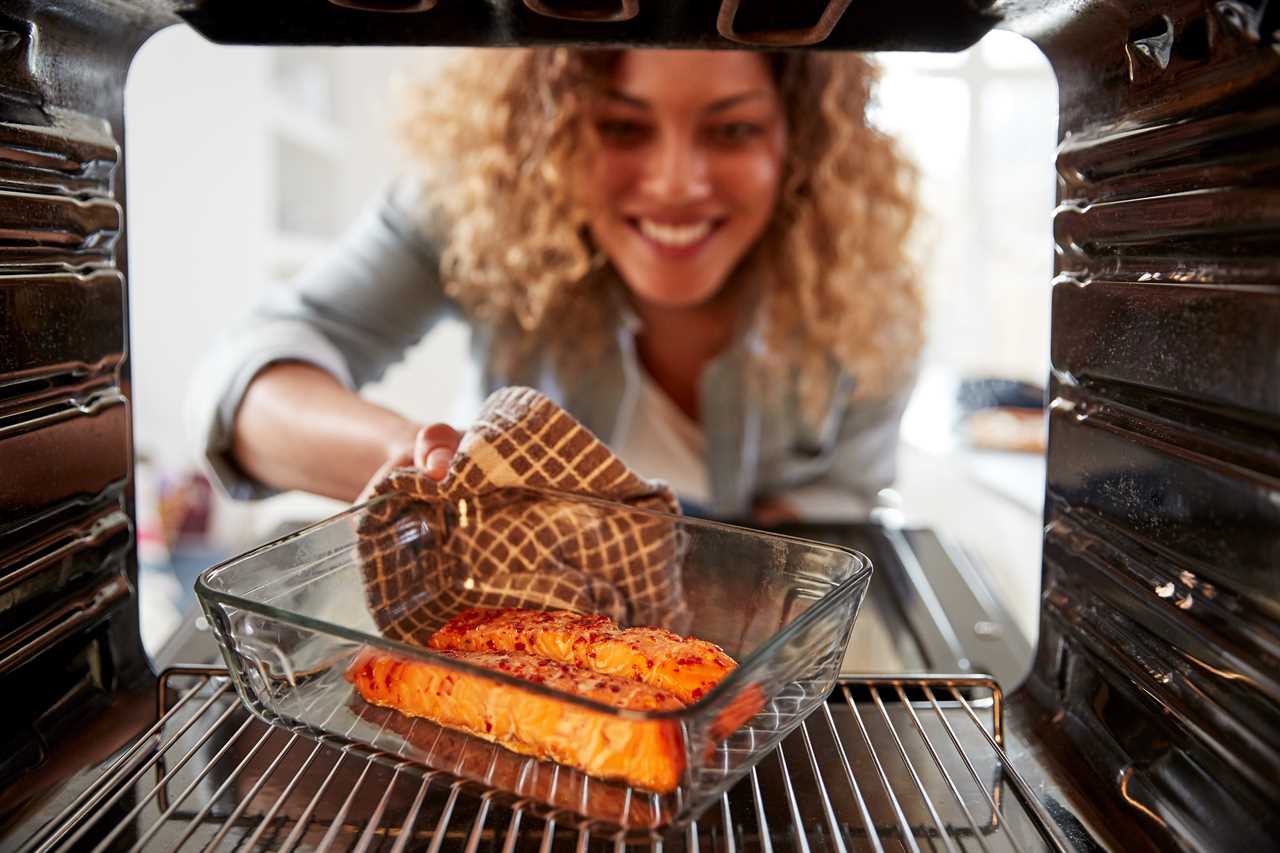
point(71, 659)
point(825, 24)
point(1157, 666)
point(1152, 710)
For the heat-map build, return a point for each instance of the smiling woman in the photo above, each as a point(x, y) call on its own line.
point(699, 255)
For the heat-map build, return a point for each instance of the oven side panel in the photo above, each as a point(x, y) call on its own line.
point(1160, 626)
point(69, 639)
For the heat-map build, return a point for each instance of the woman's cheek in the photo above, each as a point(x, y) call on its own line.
point(612, 173)
point(752, 177)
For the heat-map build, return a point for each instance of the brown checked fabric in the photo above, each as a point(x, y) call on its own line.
point(495, 547)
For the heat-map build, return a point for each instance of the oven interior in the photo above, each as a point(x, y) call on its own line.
point(1148, 718)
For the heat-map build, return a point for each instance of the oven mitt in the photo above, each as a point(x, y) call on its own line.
point(492, 547)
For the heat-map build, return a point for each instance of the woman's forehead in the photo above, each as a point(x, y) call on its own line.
point(694, 74)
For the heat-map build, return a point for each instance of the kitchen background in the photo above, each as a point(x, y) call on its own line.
point(294, 142)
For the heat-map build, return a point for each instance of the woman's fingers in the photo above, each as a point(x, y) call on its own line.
point(434, 449)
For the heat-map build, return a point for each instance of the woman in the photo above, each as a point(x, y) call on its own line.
point(699, 255)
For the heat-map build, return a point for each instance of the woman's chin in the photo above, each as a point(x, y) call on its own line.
point(672, 299)
point(675, 289)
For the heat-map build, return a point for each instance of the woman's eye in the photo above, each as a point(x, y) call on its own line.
point(621, 131)
point(735, 132)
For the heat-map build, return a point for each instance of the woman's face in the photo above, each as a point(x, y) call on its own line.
point(687, 171)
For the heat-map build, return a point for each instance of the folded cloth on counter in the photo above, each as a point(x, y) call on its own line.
point(492, 545)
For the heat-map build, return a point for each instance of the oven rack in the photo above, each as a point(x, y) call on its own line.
point(887, 763)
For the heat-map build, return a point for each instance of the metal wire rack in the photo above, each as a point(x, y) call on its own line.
point(911, 763)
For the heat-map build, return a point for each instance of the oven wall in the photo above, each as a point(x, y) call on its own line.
point(69, 642)
point(1159, 645)
point(1159, 638)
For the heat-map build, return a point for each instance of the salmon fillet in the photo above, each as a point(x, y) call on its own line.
point(644, 753)
point(685, 666)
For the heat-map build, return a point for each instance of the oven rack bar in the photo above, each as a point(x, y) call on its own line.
point(887, 764)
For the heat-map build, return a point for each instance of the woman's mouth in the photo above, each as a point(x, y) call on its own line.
point(680, 239)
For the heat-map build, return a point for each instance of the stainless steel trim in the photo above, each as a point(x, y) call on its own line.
point(65, 543)
point(930, 620)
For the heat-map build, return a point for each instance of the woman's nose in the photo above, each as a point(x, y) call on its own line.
point(677, 170)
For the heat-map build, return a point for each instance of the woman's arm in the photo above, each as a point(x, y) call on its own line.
point(354, 439)
point(299, 428)
point(273, 405)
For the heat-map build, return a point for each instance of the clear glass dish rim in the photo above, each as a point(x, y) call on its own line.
point(728, 686)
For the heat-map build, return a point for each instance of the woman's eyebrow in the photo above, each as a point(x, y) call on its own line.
point(733, 100)
point(625, 99)
point(716, 106)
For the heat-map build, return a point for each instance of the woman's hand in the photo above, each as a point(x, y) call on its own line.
point(432, 450)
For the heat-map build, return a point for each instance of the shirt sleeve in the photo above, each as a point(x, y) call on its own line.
point(863, 462)
point(352, 312)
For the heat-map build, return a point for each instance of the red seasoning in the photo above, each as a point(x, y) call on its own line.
point(686, 666)
point(641, 669)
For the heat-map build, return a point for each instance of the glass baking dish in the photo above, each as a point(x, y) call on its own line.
point(291, 616)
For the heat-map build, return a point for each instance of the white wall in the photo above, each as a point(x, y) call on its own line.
point(202, 125)
point(197, 149)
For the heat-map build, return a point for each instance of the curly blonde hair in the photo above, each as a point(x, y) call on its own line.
point(501, 135)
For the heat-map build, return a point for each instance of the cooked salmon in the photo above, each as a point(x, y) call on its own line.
point(685, 666)
point(645, 753)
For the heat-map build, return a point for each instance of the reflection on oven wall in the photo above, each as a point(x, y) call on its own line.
point(293, 143)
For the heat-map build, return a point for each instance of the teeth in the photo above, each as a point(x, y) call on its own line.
point(675, 235)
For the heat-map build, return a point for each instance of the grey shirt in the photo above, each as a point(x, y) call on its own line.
point(378, 291)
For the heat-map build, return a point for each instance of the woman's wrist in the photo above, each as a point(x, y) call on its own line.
point(299, 428)
point(399, 437)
